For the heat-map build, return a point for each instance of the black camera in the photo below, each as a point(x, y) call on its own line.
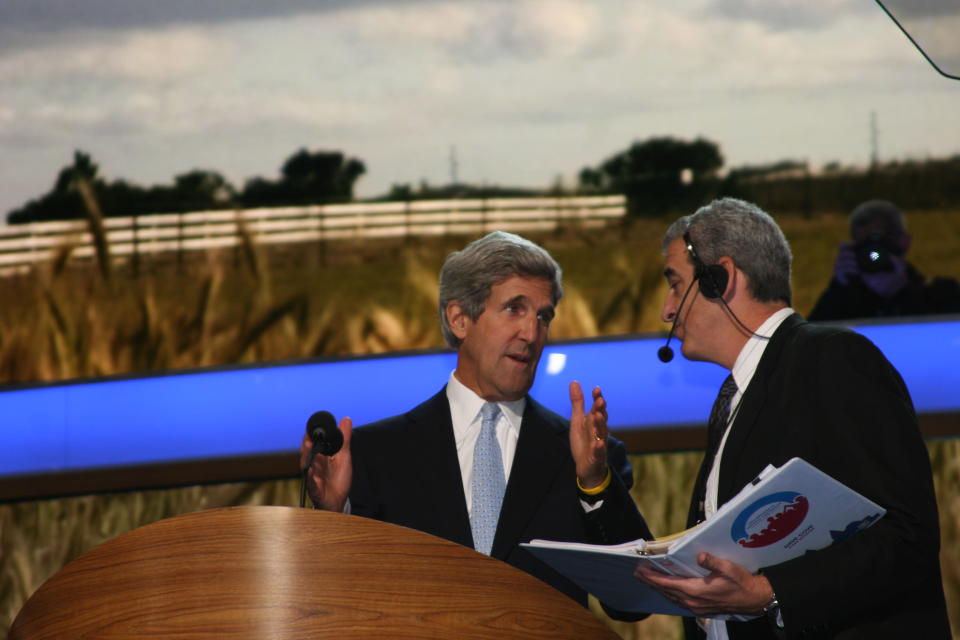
point(874, 254)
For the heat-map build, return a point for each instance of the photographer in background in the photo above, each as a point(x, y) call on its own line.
point(872, 278)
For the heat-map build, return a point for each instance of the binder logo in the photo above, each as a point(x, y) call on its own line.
point(769, 519)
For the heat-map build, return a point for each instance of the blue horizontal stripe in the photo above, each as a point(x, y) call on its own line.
point(263, 409)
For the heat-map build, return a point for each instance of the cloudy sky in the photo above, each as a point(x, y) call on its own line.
point(525, 91)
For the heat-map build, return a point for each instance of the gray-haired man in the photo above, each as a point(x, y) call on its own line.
point(431, 468)
point(824, 394)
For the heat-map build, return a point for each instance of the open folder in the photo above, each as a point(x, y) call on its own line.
point(783, 513)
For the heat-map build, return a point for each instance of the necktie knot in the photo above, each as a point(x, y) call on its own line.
point(721, 406)
point(720, 413)
point(489, 414)
point(727, 390)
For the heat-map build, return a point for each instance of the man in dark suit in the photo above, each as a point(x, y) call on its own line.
point(481, 463)
point(824, 394)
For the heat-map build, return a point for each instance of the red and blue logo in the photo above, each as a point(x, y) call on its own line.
point(770, 519)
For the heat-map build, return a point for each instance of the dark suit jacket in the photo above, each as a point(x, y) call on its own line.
point(829, 396)
point(406, 472)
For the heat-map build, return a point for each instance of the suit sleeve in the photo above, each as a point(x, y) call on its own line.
point(364, 500)
point(859, 424)
point(618, 519)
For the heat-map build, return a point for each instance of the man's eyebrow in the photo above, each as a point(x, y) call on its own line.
point(522, 299)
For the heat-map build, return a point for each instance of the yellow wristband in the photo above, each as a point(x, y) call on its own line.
point(600, 488)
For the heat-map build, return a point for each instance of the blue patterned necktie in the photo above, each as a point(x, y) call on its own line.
point(489, 484)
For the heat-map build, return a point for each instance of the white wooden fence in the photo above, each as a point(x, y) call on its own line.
point(25, 245)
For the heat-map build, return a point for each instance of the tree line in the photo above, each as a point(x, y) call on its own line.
point(658, 175)
point(662, 175)
point(305, 178)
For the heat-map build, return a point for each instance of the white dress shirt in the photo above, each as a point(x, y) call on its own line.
point(743, 370)
point(465, 414)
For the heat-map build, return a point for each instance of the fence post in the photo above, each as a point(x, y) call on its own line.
point(179, 241)
point(135, 258)
point(237, 221)
point(33, 244)
point(322, 241)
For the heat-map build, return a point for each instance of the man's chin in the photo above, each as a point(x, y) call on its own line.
point(690, 353)
point(516, 389)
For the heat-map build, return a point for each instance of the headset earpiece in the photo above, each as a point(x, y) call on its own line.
point(713, 278)
point(713, 281)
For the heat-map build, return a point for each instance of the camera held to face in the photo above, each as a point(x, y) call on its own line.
point(874, 254)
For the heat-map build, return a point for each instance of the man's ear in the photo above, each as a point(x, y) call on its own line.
point(457, 319)
point(731, 268)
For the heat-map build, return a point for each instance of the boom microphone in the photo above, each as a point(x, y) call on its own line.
point(665, 353)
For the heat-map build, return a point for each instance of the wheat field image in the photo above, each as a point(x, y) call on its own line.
point(69, 319)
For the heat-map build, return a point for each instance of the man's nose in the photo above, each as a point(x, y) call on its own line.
point(530, 328)
point(668, 311)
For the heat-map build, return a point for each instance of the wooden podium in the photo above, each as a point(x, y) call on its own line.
point(284, 573)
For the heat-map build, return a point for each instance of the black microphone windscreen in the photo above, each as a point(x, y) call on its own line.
point(322, 429)
point(323, 420)
point(665, 353)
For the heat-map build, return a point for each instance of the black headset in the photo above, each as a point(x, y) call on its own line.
point(713, 277)
point(713, 280)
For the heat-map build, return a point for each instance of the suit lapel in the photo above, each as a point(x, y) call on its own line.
point(751, 404)
point(541, 453)
point(440, 484)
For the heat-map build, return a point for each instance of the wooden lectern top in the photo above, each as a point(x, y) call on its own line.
point(285, 573)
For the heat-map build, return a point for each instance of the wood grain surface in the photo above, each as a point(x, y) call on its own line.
point(286, 573)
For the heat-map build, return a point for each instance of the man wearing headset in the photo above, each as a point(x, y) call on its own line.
point(824, 394)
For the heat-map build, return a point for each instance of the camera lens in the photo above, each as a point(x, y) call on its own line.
point(873, 254)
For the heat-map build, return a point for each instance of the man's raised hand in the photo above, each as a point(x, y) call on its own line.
point(588, 436)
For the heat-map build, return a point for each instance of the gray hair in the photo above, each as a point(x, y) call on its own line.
point(748, 235)
point(468, 275)
point(894, 222)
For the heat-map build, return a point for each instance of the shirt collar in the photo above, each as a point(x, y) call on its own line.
point(465, 409)
point(752, 351)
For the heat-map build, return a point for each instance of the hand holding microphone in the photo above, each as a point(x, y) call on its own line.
point(326, 462)
point(322, 431)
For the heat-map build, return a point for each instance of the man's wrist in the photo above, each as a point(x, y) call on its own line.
point(596, 487)
point(772, 607)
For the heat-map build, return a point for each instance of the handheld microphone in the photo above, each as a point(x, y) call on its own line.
point(327, 438)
